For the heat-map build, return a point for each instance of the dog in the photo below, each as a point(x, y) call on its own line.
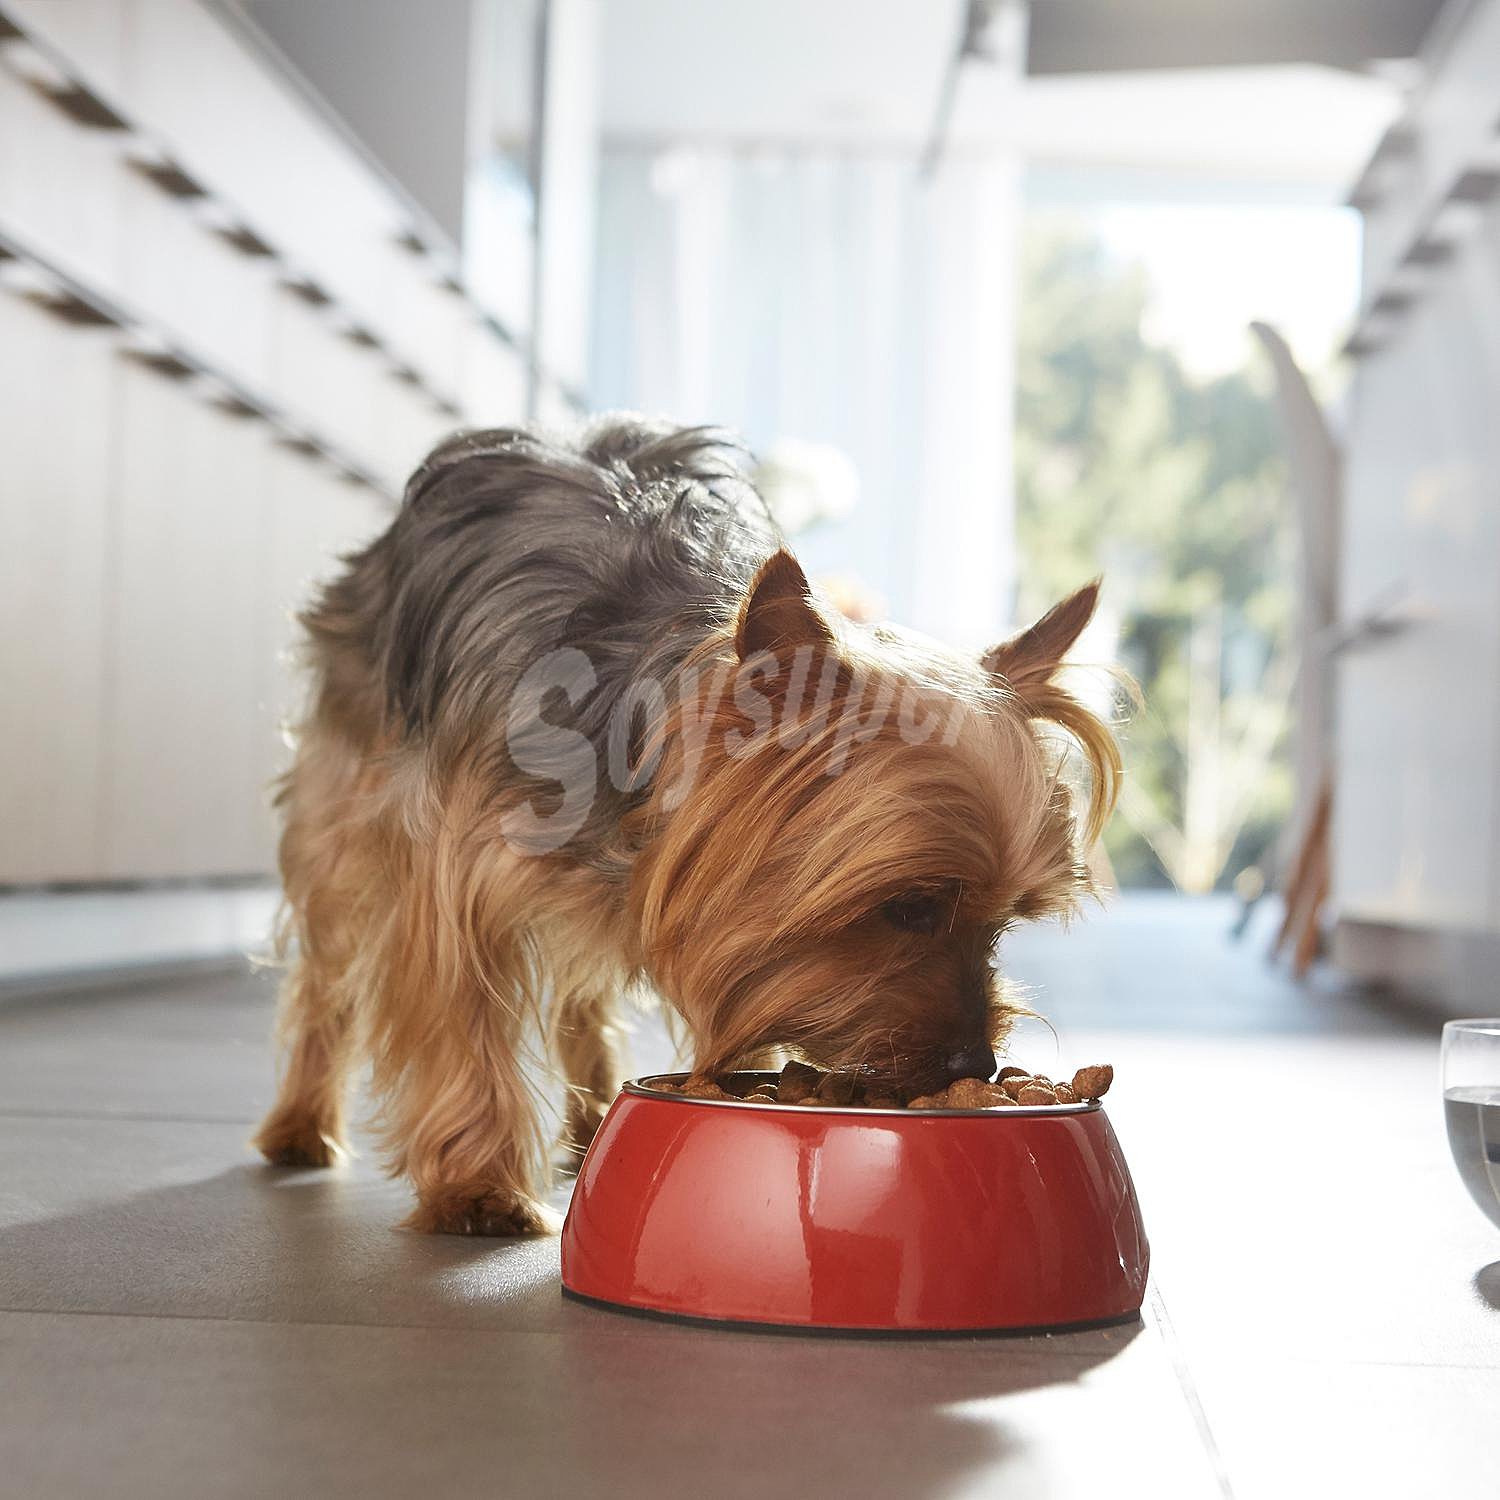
point(579, 726)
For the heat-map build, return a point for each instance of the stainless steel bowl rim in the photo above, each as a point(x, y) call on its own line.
point(641, 1088)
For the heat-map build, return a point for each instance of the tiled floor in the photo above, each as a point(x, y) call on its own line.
point(177, 1321)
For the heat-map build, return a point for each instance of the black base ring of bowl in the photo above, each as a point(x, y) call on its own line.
point(834, 1331)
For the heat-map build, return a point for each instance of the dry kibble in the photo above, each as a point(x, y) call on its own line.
point(1036, 1093)
point(1093, 1082)
point(838, 1088)
point(799, 1083)
point(974, 1093)
point(704, 1088)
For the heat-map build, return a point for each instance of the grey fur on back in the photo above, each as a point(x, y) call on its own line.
point(628, 546)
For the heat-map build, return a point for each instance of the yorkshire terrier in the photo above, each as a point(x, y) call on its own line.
point(580, 726)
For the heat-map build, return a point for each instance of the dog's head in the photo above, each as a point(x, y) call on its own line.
point(843, 824)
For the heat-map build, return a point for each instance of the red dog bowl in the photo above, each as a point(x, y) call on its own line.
point(869, 1219)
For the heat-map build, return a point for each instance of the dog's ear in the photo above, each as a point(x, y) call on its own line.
point(778, 610)
point(1030, 659)
point(1029, 662)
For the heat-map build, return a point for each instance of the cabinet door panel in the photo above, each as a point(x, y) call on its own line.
point(55, 438)
point(183, 278)
point(494, 380)
point(1419, 712)
point(182, 794)
point(405, 427)
point(322, 376)
point(298, 182)
point(90, 33)
point(314, 520)
point(59, 183)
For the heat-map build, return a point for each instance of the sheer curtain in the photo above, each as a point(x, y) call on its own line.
point(831, 297)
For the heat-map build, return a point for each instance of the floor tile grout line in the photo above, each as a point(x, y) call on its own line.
point(242, 1322)
point(133, 1117)
point(248, 1322)
point(1177, 1357)
point(638, 1329)
point(641, 1329)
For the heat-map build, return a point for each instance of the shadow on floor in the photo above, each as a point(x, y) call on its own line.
point(1487, 1285)
point(257, 1243)
point(689, 1406)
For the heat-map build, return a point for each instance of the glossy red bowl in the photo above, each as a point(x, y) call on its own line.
point(856, 1219)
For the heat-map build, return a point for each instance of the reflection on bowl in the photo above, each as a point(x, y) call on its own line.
point(852, 1218)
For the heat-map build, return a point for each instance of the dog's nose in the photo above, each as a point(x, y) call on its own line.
point(971, 1062)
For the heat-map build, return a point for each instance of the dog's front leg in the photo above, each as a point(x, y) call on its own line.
point(589, 1045)
point(458, 1116)
point(306, 1126)
point(464, 1129)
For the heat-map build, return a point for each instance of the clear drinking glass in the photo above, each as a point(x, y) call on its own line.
point(1471, 1102)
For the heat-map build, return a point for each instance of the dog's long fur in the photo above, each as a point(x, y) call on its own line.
point(578, 725)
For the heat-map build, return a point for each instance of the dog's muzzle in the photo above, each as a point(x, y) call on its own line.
point(970, 1062)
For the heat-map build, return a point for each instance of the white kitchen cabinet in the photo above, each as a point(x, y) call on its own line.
point(57, 443)
point(182, 637)
point(1416, 844)
point(153, 546)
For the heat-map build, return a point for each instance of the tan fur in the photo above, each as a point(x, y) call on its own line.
point(424, 944)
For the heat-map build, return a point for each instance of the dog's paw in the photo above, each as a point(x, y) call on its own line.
point(495, 1213)
point(296, 1141)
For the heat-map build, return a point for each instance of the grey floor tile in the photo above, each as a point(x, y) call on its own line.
point(188, 1322)
point(195, 1047)
point(177, 1219)
point(188, 1408)
point(1307, 1201)
point(1302, 1426)
point(180, 1219)
point(1155, 961)
point(189, 1047)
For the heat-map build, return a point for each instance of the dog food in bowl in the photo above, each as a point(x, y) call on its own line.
point(799, 1083)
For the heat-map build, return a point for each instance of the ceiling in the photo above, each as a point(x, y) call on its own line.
point(866, 74)
point(1080, 36)
point(775, 69)
point(869, 71)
